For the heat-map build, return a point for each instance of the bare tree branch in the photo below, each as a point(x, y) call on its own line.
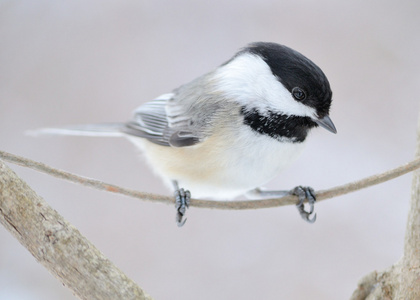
point(238, 205)
point(58, 245)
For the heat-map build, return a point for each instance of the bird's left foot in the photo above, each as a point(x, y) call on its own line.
point(305, 193)
point(182, 202)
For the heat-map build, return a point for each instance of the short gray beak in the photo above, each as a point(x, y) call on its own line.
point(326, 123)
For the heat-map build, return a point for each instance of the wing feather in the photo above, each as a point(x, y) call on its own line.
point(182, 118)
point(152, 122)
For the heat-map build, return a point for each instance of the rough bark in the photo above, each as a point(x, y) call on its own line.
point(58, 245)
point(402, 280)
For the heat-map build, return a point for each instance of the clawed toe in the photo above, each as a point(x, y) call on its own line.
point(182, 202)
point(305, 193)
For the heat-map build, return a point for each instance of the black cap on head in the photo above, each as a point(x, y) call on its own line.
point(301, 77)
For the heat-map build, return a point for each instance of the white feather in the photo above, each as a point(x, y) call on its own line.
point(249, 80)
point(108, 130)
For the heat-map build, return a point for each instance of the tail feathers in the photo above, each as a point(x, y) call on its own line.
point(103, 129)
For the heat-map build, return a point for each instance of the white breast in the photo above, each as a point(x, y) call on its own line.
point(225, 166)
point(250, 162)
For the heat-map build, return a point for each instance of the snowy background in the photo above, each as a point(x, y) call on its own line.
point(70, 62)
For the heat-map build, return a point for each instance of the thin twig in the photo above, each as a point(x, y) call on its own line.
point(232, 205)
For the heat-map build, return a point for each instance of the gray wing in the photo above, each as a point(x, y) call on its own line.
point(182, 118)
point(165, 122)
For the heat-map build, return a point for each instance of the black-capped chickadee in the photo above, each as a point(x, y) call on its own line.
point(231, 130)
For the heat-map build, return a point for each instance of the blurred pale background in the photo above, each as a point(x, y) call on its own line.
point(69, 62)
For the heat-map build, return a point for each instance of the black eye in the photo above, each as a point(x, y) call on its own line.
point(298, 94)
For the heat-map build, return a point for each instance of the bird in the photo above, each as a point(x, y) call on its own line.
point(231, 130)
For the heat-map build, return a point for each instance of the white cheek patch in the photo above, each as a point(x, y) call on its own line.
point(248, 80)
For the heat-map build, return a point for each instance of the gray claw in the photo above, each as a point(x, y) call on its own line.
point(182, 202)
point(305, 193)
